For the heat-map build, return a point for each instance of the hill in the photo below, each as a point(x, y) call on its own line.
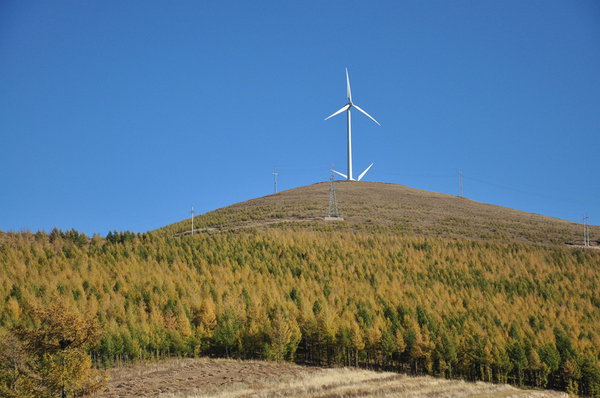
point(396, 208)
point(411, 281)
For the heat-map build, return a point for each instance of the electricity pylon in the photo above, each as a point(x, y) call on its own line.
point(332, 210)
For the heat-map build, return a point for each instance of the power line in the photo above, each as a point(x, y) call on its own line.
point(524, 192)
point(420, 175)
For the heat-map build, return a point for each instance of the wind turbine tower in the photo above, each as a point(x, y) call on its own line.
point(347, 108)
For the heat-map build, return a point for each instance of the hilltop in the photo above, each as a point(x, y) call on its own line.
point(391, 207)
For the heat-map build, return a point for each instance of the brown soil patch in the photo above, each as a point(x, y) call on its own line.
point(195, 378)
point(206, 375)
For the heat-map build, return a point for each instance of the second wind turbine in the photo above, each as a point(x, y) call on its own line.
point(347, 108)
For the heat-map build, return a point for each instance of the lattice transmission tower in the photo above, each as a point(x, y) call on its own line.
point(332, 210)
point(586, 230)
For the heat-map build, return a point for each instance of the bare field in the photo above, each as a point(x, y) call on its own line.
point(195, 378)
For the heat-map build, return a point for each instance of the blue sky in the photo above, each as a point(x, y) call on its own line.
point(121, 115)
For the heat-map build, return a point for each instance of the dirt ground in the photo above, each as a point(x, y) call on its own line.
point(194, 378)
point(206, 375)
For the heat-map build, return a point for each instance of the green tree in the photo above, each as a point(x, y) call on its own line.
point(446, 353)
point(227, 331)
point(518, 357)
point(590, 376)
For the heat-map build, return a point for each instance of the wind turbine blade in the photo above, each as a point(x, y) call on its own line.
point(340, 111)
point(337, 172)
point(348, 91)
point(364, 172)
point(369, 116)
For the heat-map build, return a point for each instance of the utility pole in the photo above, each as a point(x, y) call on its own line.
point(192, 220)
point(275, 174)
point(460, 191)
point(586, 231)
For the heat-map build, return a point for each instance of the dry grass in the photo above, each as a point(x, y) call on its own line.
point(200, 378)
point(371, 205)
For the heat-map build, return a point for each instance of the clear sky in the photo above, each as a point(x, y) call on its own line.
point(122, 114)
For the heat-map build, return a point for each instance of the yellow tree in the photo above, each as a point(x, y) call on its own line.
point(280, 336)
point(15, 365)
point(358, 342)
point(59, 363)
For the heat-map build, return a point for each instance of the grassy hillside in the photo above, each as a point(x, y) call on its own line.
point(412, 281)
point(404, 210)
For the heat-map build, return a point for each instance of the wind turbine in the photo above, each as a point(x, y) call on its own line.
point(347, 108)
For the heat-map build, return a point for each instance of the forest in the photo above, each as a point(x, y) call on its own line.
point(504, 312)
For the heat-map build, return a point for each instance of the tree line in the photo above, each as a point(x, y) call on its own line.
point(478, 310)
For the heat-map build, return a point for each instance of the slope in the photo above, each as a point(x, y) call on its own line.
point(412, 281)
point(482, 310)
point(391, 207)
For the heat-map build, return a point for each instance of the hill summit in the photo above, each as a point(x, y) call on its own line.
point(397, 208)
